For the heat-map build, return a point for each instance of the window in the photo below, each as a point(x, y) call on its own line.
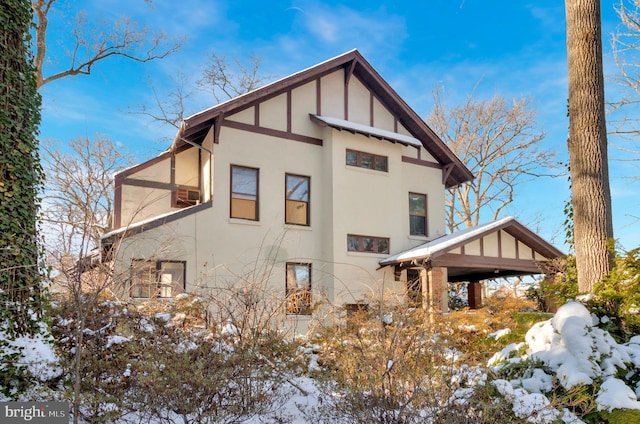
point(367, 160)
point(367, 244)
point(244, 193)
point(157, 279)
point(297, 200)
point(417, 214)
point(414, 288)
point(298, 291)
point(184, 197)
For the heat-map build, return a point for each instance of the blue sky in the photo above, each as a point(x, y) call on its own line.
point(510, 48)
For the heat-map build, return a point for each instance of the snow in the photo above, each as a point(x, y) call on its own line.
point(576, 351)
point(116, 339)
point(615, 394)
point(500, 333)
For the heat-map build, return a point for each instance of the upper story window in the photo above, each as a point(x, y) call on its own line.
point(367, 244)
point(417, 214)
point(297, 199)
point(184, 197)
point(244, 192)
point(367, 160)
point(157, 279)
point(298, 290)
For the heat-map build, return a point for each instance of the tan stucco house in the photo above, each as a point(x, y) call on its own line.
point(329, 178)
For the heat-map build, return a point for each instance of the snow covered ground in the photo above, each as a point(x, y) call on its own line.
point(569, 349)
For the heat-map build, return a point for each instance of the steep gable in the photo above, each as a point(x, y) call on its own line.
point(346, 88)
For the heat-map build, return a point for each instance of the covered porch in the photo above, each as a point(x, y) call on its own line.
point(502, 248)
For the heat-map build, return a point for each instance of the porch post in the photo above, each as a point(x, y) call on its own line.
point(474, 292)
point(438, 296)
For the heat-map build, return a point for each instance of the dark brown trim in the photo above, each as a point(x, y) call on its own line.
point(499, 243)
point(360, 68)
point(172, 174)
point(349, 71)
point(117, 201)
point(289, 112)
point(371, 109)
point(481, 246)
point(216, 128)
point(150, 225)
point(446, 171)
point(345, 100)
point(420, 162)
point(147, 184)
point(273, 133)
point(318, 96)
point(256, 114)
point(485, 262)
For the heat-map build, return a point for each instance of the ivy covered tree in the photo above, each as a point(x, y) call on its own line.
point(20, 174)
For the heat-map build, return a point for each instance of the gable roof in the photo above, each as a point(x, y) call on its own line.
point(195, 127)
point(438, 252)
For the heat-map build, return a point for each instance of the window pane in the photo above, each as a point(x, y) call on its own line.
point(418, 225)
point(171, 278)
point(417, 204)
point(352, 158)
point(353, 243)
point(296, 213)
point(298, 290)
point(381, 163)
point(244, 193)
point(383, 246)
point(143, 279)
point(297, 188)
point(366, 160)
point(244, 181)
point(367, 244)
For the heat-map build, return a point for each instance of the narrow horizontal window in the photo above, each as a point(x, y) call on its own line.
point(367, 244)
point(367, 160)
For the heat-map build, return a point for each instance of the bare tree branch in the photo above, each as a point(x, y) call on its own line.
point(93, 43)
point(499, 143)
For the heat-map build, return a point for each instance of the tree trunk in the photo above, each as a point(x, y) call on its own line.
point(591, 197)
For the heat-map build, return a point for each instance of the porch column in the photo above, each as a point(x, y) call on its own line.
point(437, 293)
point(474, 291)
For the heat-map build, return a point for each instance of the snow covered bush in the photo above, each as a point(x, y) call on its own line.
point(570, 367)
point(28, 363)
point(163, 362)
point(386, 365)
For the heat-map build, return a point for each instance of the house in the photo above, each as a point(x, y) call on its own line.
point(326, 181)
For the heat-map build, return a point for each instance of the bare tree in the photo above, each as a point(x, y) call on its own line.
point(222, 78)
point(590, 192)
point(76, 213)
point(499, 142)
point(96, 42)
point(226, 81)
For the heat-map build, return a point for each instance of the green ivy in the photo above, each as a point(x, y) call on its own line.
point(20, 174)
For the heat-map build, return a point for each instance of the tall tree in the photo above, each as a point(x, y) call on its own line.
point(97, 41)
point(20, 174)
point(590, 192)
point(500, 143)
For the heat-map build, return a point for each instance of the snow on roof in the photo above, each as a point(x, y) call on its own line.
point(445, 242)
point(367, 130)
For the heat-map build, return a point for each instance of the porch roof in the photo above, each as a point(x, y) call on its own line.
point(500, 248)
